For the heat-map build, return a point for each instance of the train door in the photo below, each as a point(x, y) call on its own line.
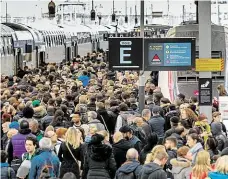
point(18, 60)
point(41, 58)
point(68, 54)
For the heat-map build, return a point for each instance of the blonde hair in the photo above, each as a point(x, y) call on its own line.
point(83, 99)
point(104, 133)
point(49, 128)
point(222, 165)
point(72, 137)
point(151, 156)
point(117, 137)
point(202, 164)
point(11, 133)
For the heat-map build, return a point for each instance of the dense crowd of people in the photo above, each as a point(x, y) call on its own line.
point(80, 120)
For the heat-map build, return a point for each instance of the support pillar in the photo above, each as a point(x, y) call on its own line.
point(142, 77)
point(205, 44)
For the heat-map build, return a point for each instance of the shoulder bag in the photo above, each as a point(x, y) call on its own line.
point(71, 153)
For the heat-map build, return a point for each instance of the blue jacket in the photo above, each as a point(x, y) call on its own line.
point(84, 79)
point(216, 175)
point(128, 167)
point(157, 124)
point(7, 172)
point(39, 162)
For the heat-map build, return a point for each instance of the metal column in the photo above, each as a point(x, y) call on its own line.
point(205, 44)
point(142, 77)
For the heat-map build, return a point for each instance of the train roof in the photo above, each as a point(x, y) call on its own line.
point(5, 30)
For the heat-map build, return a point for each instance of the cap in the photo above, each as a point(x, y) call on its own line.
point(125, 129)
point(14, 125)
point(36, 103)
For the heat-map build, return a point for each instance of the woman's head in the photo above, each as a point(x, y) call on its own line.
point(155, 150)
point(61, 132)
point(221, 90)
point(187, 113)
point(222, 165)
point(203, 158)
point(192, 139)
point(73, 137)
point(182, 151)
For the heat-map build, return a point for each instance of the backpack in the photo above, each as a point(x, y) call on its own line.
point(46, 172)
point(138, 132)
point(131, 175)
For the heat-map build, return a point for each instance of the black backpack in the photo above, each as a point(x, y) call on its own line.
point(138, 132)
point(122, 175)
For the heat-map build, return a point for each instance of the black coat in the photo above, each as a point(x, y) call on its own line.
point(110, 123)
point(120, 150)
point(68, 163)
point(152, 171)
point(99, 162)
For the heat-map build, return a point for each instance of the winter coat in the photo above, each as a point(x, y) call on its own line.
point(194, 151)
point(120, 150)
point(45, 121)
point(99, 162)
point(39, 112)
point(169, 132)
point(17, 144)
point(39, 134)
point(152, 171)
point(202, 127)
point(129, 170)
point(68, 163)
point(180, 141)
point(84, 79)
point(136, 143)
point(7, 172)
point(18, 116)
point(168, 117)
point(40, 161)
point(157, 125)
point(98, 124)
point(181, 168)
point(217, 175)
point(4, 141)
point(108, 121)
point(146, 149)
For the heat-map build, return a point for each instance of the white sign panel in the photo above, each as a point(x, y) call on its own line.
point(223, 109)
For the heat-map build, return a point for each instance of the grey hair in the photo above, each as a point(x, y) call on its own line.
point(93, 114)
point(45, 143)
point(132, 154)
point(146, 112)
point(34, 122)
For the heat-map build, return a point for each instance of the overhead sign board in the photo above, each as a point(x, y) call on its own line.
point(169, 54)
point(125, 53)
point(207, 64)
point(205, 91)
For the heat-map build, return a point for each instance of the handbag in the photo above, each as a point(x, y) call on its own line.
point(71, 153)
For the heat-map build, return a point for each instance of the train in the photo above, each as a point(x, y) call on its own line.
point(43, 42)
point(186, 82)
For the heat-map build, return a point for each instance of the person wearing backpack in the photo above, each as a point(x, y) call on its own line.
point(45, 159)
point(122, 118)
point(216, 129)
point(6, 171)
point(131, 168)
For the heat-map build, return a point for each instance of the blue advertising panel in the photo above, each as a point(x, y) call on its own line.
point(169, 54)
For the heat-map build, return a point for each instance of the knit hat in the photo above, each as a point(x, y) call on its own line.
point(96, 139)
point(14, 125)
point(36, 103)
point(175, 119)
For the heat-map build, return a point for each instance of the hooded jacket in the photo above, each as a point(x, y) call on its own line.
point(120, 150)
point(219, 136)
point(99, 162)
point(98, 124)
point(152, 171)
point(181, 168)
point(7, 172)
point(217, 175)
point(129, 170)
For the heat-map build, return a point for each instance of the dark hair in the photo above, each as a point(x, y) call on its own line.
point(28, 112)
point(172, 107)
point(4, 156)
point(172, 139)
point(194, 136)
point(212, 143)
point(123, 107)
point(33, 139)
point(179, 130)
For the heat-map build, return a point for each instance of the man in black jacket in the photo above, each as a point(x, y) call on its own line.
point(174, 121)
point(131, 168)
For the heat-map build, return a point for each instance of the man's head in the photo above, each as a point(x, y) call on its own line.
point(170, 142)
point(45, 143)
point(132, 154)
point(4, 156)
point(92, 115)
point(146, 114)
point(34, 125)
point(161, 158)
point(76, 117)
point(30, 144)
point(139, 121)
point(126, 131)
point(156, 111)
